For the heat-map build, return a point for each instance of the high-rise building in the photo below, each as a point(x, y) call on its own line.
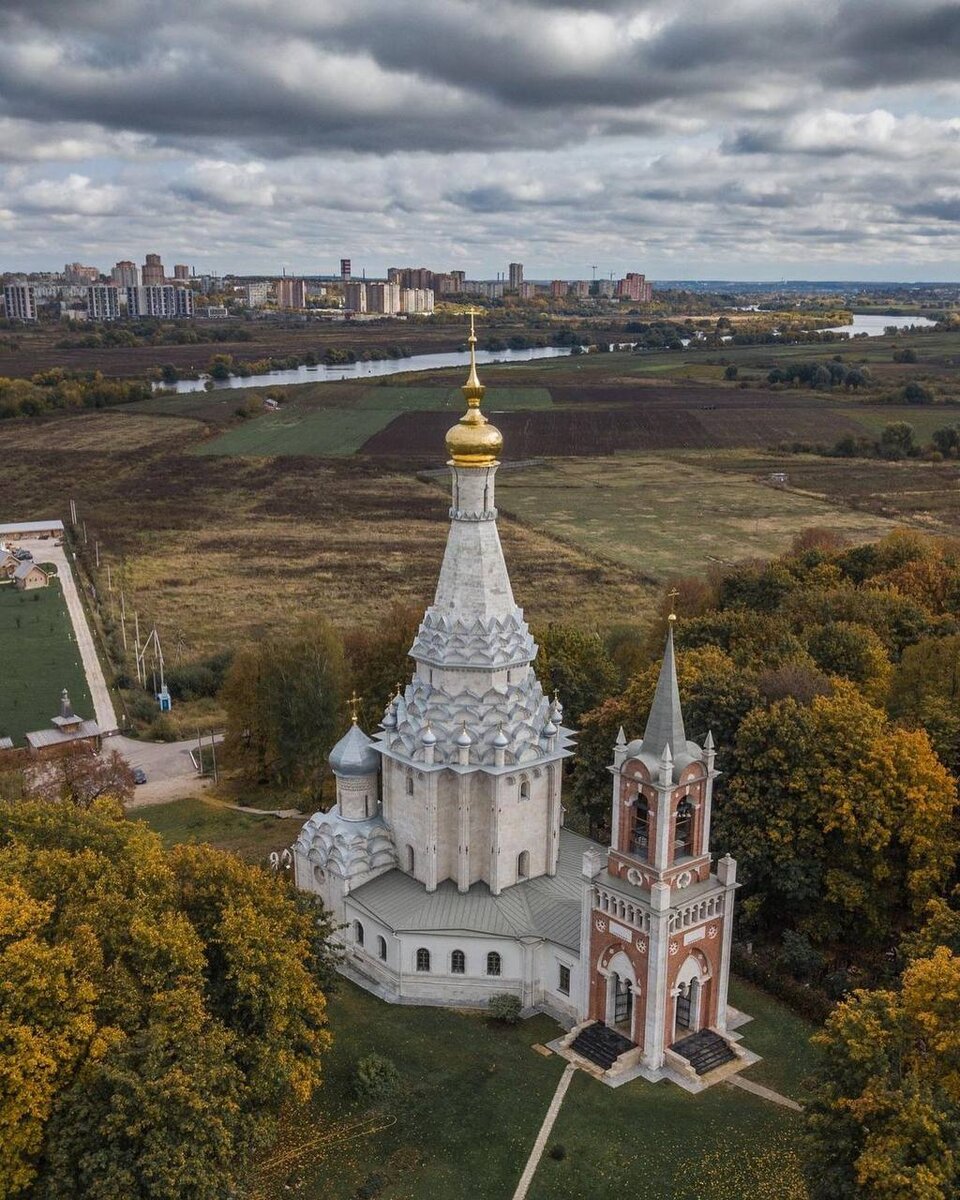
point(291, 293)
point(516, 276)
point(487, 288)
point(20, 301)
point(125, 274)
point(103, 302)
point(634, 286)
point(355, 297)
point(606, 287)
point(457, 278)
point(255, 294)
point(153, 272)
point(580, 288)
point(181, 271)
point(395, 275)
point(77, 273)
point(383, 298)
point(159, 300)
point(415, 301)
point(346, 269)
point(558, 288)
point(527, 291)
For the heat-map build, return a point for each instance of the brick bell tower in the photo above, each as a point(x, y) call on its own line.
point(656, 920)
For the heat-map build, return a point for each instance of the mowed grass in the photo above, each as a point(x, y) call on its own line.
point(194, 820)
point(39, 657)
point(300, 428)
point(473, 1097)
point(664, 517)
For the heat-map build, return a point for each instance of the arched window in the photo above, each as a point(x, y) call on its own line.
point(358, 933)
point(382, 947)
point(525, 789)
point(423, 959)
point(641, 828)
point(683, 832)
point(458, 962)
point(493, 963)
point(523, 864)
point(411, 859)
point(409, 785)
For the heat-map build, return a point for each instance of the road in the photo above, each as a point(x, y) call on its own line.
point(45, 551)
point(169, 769)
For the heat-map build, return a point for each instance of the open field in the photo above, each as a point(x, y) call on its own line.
point(195, 819)
point(303, 427)
point(447, 1136)
point(663, 517)
point(38, 659)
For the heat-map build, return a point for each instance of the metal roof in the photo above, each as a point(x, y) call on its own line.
point(6, 743)
point(25, 568)
point(546, 907)
point(21, 528)
point(53, 737)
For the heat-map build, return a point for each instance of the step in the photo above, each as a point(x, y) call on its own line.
point(705, 1051)
point(601, 1045)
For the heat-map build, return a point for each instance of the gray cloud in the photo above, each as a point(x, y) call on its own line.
point(464, 131)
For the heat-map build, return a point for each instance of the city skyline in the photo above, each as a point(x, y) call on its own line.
point(749, 144)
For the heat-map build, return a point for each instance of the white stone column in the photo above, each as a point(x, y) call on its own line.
point(592, 865)
point(553, 817)
point(433, 831)
point(662, 847)
point(463, 833)
point(658, 960)
point(727, 875)
point(496, 792)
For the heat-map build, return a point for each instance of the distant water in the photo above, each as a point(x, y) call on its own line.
point(874, 324)
point(369, 370)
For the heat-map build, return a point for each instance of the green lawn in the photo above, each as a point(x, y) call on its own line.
point(335, 431)
point(38, 659)
point(194, 819)
point(474, 1096)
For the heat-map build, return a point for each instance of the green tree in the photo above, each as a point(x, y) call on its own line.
point(947, 440)
point(897, 440)
point(575, 664)
point(856, 653)
point(285, 702)
point(155, 1018)
point(377, 660)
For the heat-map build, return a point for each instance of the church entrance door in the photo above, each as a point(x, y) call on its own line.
point(623, 1005)
point(683, 1010)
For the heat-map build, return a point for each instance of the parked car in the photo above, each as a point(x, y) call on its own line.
point(21, 554)
point(139, 775)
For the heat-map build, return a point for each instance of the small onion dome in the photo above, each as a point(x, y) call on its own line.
point(428, 737)
point(549, 730)
point(473, 441)
point(389, 716)
point(464, 738)
point(501, 741)
point(354, 754)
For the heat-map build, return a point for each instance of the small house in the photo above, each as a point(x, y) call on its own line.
point(8, 564)
point(29, 576)
point(66, 729)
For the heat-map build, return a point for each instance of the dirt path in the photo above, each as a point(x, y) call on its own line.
point(545, 1130)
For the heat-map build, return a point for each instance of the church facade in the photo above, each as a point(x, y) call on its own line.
point(445, 859)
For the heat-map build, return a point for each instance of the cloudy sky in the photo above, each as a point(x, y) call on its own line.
point(749, 139)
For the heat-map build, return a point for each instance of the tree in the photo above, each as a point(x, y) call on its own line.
point(155, 1018)
point(947, 440)
point(284, 698)
point(884, 1123)
point(575, 664)
point(842, 822)
point(917, 393)
point(856, 653)
point(80, 776)
point(731, 372)
point(926, 691)
point(378, 660)
point(897, 440)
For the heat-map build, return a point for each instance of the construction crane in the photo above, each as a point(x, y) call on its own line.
point(593, 268)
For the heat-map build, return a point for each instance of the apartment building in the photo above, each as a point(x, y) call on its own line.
point(77, 273)
point(255, 294)
point(635, 286)
point(125, 274)
point(103, 302)
point(516, 276)
point(153, 271)
point(355, 296)
point(20, 301)
point(291, 293)
point(159, 300)
point(383, 298)
point(416, 301)
point(181, 271)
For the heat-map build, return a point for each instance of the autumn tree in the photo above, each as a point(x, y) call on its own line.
point(574, 663)
point(378, 659)
point(926, 691)
point(854, 652)
point(842, 822)
point(285, 702)
point(154, 1017)
point(79, 775)
point(884, 1123)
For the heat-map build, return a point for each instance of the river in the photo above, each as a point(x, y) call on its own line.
point(873, 324)
point(368, 370)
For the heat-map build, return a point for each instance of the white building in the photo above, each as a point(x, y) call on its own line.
point(255, 294)
point(20, 301)
point(355, 296)
point(383, 298)
point(103, 302)
point(416, 300)
point(159, 300)
point(125, 273)
point(445, 856)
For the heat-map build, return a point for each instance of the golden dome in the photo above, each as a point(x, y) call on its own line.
point(473, 441)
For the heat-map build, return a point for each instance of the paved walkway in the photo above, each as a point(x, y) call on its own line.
point(46, 551)
point(765, 1093)
point(545, 1129)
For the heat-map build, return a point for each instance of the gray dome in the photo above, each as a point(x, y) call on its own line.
point(354, 754)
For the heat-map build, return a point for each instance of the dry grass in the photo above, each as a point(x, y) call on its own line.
point(91, 432)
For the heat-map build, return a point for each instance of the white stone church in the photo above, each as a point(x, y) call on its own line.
point(445, 858)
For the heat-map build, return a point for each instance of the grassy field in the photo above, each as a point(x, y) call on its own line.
point(38, 659)
point(340, 429)
point(195, 819)
point(474, 1096)
point(665, 517)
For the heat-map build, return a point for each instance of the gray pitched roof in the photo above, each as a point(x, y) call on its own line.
point(665, 723)
point(547, 907)
point(354, 754)
point(25, 568)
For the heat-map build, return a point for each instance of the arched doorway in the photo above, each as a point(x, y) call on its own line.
point(691, 1010)
point(621, 990)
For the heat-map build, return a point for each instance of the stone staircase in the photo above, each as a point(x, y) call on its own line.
point(601, 1045)
point(705, 1051)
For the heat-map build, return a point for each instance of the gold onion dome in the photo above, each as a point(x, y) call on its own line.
point(473, 441)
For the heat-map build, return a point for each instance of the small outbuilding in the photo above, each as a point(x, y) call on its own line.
point(66, 729)
point(32, 529)
point(28, 576)
point(8, 564)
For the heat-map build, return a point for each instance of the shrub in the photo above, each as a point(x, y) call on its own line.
point(371, 1187)
point(558, 1152)
point(505, 1008)
point(376, 1080)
